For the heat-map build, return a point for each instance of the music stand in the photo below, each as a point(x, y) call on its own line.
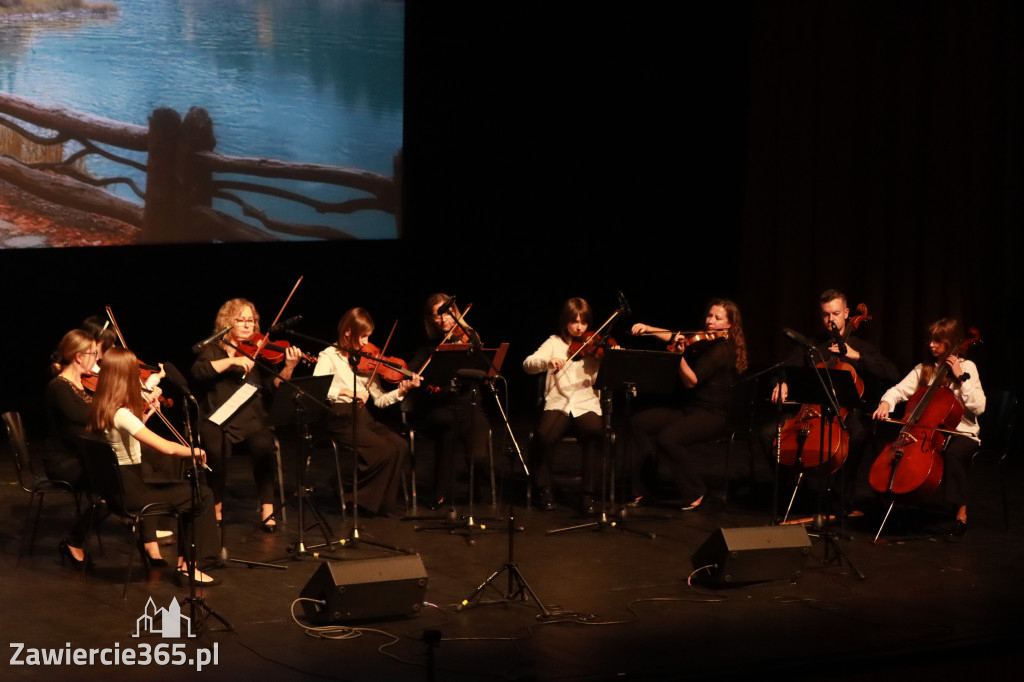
point(301, 402)
point(452, 363)
point(634, 372)
point(831, 390)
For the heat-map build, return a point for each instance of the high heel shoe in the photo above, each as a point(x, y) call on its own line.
point(65, 551)
point(150, 561)
point(181, 578)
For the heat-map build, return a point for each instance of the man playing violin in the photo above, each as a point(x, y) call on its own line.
point(222, 369)
point(708, 370)
point(962, 378)
point(869, 365)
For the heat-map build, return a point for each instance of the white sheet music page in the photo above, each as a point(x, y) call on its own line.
point(232, 404)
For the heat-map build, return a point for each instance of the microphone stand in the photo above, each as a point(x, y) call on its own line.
point(354, 538)
point(199, 610)
point(518, 588)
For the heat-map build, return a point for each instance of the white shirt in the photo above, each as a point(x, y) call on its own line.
point(969, 393)
point(571, 389)
point(331, 361)
point(121, 437)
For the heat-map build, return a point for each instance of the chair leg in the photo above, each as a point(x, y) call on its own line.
point(282, 506)
point(341, 487)
point(490, 460)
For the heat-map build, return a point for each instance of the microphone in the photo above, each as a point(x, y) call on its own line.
point(446, 307)
point(210, 339)
point(798, 337)
point(472, 374)
point(838, 339)
point(624, 304)
point(287, 324)
point(175, 376)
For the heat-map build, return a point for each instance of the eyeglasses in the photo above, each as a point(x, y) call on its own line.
point(242, 321)
point(90, 352)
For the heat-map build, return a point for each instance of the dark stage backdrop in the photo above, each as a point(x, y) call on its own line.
point(761, 152)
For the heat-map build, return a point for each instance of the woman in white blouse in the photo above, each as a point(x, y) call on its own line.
point(380, 450)
point(945, 337)
point(570, 401)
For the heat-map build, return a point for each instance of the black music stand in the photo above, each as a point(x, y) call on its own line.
point(831, 390)
point(301, 402)
point(634, 373)
point(449, 365)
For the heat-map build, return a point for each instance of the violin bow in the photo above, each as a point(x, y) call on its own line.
point(460, 319)
point(266, 337)
point(589, 341)
point(381, 356)
point(156, 411)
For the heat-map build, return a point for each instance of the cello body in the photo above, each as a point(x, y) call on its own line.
point(801, 437)
point(912, 464)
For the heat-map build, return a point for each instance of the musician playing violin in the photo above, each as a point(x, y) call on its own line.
point(570, 401)
point(873, 368)
point(380, 451)
point(708, 370)
point(222, 369)
point(962, 378)
point(454, 416)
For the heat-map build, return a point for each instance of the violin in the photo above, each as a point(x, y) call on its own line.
point(912, 464)
point(391, 369)
point(589, 344)
point(801, 435)
point(271, 351)
point(681, 342)
point(92, 380)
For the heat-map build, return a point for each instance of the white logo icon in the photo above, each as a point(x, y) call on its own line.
point(169, 623)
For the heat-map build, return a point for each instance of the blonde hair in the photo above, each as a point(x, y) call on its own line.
point(74, 342)
point(230, 310)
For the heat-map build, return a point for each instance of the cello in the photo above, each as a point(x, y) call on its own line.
point(801, 436)
point(912, 464)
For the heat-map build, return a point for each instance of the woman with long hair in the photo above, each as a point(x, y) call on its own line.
point(945, 337)
point(708, 370)
point(119, 411)
point(454, 416)
point(570, 401)
point(379, 450)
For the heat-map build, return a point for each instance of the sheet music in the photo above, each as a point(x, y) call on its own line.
point(232, 404)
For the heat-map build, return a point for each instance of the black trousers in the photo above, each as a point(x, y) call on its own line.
point(138, 493)
point(552, 427)
point(673, 432)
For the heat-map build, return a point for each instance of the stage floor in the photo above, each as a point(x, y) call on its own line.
point(619, 603)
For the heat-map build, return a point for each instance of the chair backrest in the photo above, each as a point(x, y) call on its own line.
point(19, 446)
point(998, 423)
point(102, 471)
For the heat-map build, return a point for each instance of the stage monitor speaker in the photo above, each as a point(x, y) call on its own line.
point(747, 555)
point(365, 589)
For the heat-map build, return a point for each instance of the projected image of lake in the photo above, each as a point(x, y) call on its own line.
point(302, 81)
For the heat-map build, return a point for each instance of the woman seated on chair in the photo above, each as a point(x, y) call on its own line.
point(945, 337)
point(452, 416)
point(708, 370)
point(569, 401)
point(221, 370)
point(380, 452)
point(119, 411)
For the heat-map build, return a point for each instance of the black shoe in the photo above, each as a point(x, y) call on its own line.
point(437, 504)
point(545, 499)
point(65, 551)
point(587, 504)
point(638, 501)
point(154, 563)
point(958, 532)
